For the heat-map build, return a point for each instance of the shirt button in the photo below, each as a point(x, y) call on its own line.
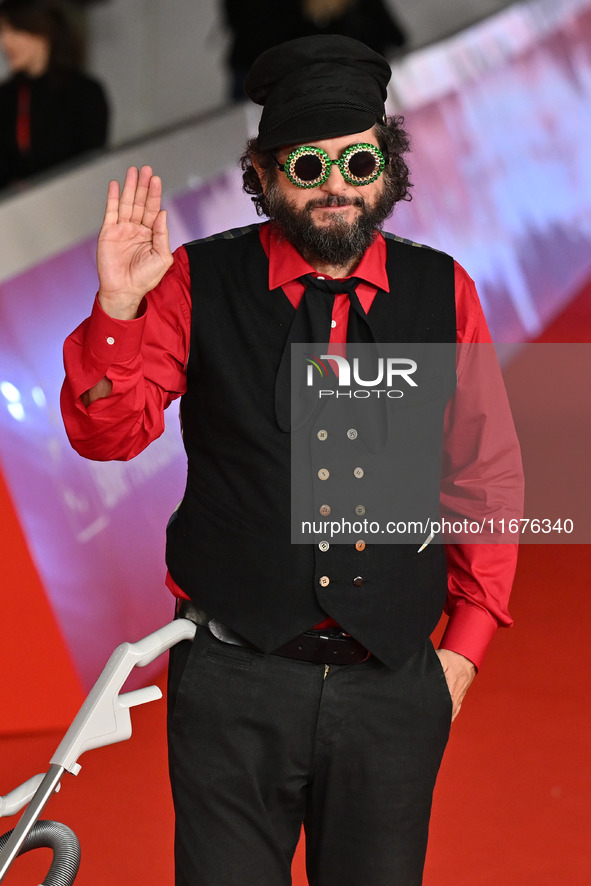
point(333, 323)
point(322, 435)
point(324, 581)
point(358, 581)
point(323, 474)
point(360, 510)
point(360, 545)
point(110, 340)
point(358, 472)
point(324, 510)
point(324, 546)
point(352, 434)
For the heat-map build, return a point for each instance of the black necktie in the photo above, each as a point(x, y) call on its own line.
point(319, 290)
point(312, 324)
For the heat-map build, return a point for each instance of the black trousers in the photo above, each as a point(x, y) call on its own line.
point(259, 744)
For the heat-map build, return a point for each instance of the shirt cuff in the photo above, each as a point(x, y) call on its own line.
point(113, 341)
point(469, 632)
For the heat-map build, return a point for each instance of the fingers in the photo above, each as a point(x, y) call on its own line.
point(153, 202)
point(143, 191)
point(160, 235)
point(140, 198)
point(138, 202)
point(112, 209)
point(127, 199)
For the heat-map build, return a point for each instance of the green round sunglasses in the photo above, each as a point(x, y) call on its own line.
point(308, 167)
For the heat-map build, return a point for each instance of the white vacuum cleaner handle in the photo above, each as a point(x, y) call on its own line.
point(104, 717)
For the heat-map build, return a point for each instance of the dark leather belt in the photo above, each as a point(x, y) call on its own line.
point(330, 646)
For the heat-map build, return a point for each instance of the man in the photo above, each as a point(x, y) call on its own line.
point(312, 692)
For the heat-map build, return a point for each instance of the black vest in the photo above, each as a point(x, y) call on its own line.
point(228, 544)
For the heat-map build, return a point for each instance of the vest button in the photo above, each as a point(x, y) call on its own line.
point(322, 435)
point(324, 546)
point(358, 472)
point(360, 545)
point(324, 580)
point(324, 510)
point(360, 510)
point(323, 474)
point(352, 434)
point(358, 581)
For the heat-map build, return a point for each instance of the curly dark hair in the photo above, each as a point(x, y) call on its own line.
point(393, 140)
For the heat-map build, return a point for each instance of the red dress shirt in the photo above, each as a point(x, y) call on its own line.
point(146, 358)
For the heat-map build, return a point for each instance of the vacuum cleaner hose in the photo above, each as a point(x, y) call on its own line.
point(66, 850)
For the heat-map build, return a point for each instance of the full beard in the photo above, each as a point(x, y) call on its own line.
point(339, 242)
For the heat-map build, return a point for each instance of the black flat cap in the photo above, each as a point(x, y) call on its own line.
point(317, 87)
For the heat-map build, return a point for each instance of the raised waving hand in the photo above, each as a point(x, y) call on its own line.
point(133, 252)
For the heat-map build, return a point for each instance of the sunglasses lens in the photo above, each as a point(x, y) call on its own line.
point(362, 164)
point(308, 167)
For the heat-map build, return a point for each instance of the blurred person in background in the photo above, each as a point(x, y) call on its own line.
point(256, 26)
point(50, 111)
point(369, 21)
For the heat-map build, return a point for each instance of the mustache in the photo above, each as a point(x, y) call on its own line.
point(333, 200)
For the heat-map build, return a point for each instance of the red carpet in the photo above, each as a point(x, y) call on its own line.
point(512, 803)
